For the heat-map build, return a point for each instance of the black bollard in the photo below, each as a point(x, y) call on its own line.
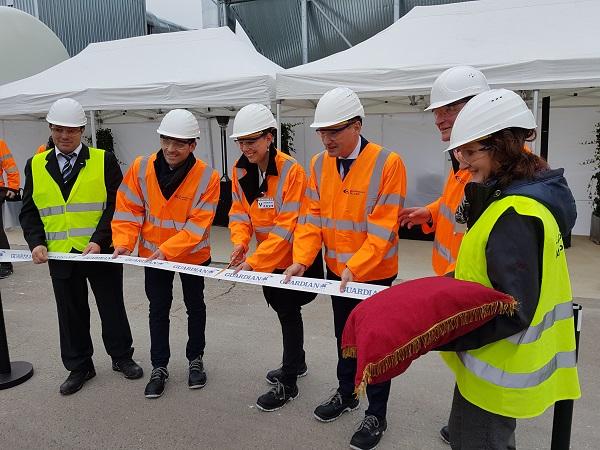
point(17, 372)
point(563, 409)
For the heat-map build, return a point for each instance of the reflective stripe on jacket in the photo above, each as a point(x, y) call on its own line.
point(273, 227)
point(524, 374)
point(355, 218)
point(180, 226)
point(70, 224)
point(8, 166)
point(448, 234)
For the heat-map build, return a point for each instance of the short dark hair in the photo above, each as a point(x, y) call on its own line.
point(507, 149)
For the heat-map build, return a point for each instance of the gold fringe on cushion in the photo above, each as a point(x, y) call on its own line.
point(434, 333)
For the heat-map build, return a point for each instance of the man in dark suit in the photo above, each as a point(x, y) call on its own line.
point(68, 204)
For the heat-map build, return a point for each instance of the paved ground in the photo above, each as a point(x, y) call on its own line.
point(243, 342)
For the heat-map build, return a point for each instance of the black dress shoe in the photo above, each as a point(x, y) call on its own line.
point(5, 270)
point(156, 385)
point(76, 380)
point(129, 368)
point(197, 375)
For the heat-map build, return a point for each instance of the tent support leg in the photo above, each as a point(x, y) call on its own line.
point(93, 126)
point(278, 112)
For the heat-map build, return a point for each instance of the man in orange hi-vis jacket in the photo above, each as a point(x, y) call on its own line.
point(13, 183)
point(352, 203)
point(449, 93)
point(168, 200)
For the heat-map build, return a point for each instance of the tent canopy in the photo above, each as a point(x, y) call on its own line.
point(534, 44)
point(200, 68)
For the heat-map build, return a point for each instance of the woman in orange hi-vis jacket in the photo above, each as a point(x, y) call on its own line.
point(13, 183)
point(168, 201)
point(449, 93)
point(268, 188)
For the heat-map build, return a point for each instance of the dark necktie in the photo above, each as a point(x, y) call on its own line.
point(346, 163)
point(68, 167)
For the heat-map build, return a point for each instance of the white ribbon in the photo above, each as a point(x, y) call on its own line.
point(358, 291)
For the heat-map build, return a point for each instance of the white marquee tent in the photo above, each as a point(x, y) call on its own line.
point(197, 69)
point(533, 45)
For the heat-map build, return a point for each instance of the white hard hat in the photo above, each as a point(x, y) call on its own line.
point(336, 106)
point(252, 119)
point(66, 112)
point(180, 124)
point(455, 84)
point(487, 113)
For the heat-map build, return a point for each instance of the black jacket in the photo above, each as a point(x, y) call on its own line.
point(514, 249)
point(31, 223)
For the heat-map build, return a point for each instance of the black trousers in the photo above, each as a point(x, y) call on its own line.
point(3, 239)
point(71, 293)
point(472, 428)
point(287, 304)
point(159, 290)
point(377, 394)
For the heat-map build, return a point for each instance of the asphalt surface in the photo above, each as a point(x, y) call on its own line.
point(243, 343)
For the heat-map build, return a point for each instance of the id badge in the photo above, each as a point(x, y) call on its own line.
point(266, 203)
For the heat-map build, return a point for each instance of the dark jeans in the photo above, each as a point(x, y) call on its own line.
point(106, 281)
point(377, 394)
point(159, 290)
point(472, 428)
point(287, 304)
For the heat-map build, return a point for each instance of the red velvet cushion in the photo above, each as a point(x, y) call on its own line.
point(389, 330)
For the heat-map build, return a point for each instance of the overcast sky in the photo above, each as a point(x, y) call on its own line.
point(183, 12)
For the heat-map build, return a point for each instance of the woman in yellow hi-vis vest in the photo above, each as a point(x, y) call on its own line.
point(516, 210)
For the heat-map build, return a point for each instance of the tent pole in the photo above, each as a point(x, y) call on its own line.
point(535, 108)
point(304, 20)
point(210, 143)
point(396, 10)
point(93, 126)
point(278, 110)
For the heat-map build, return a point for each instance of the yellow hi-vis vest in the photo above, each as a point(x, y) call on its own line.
point(70, 224)
point(524, 374)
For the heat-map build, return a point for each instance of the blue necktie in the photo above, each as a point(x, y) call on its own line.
point(68, 167)
point(346, 163)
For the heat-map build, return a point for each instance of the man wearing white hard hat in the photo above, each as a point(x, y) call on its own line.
point(516, 209)
point(449, 94)
point(166, 205)
point(355, 193)
point(68, 203)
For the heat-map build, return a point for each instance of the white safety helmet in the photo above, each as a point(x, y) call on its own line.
point(336, 106)
point(66, 112)
point(455, 84)
point(180, 124)
point(487, 113)
point(252, 119)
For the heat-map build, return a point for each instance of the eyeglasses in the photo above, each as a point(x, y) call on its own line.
point(448, 110)
point(248, 142)
point(467, 155)
point(333, 132)
point(176, 144)
point(65, 130)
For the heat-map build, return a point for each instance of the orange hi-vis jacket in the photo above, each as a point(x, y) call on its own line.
point(8, 165)
point(180, 226)
point(448, 234)
point(355, 218)
point(41, 149)
point(272, 217)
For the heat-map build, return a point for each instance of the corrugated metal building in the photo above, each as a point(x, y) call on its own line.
point(78, 23)
point(275, 26)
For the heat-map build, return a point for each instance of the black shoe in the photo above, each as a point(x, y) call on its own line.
point(6, 270)
point(274, 376)
point(445, 434)
point(197, 377)
point(369, 433)
point(156, 385)
point(129, 369)
point(76, 380)
point(335, 407)
point(277, 397)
